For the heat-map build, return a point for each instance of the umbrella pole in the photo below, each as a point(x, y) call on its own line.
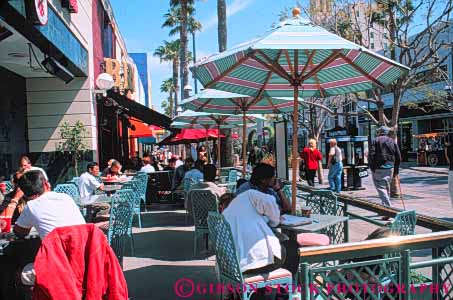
point(207, 145)
point(218, 146)
point(295, 148)
point(244, 146)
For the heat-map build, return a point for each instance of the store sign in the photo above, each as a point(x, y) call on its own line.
point(123, 75)
point(339, 132)
point(38, 12)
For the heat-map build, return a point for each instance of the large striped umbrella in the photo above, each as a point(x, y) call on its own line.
point(215, 119)
point(297, 59)
point(216, 101)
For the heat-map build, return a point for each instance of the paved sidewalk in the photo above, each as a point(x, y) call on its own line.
point(164, 247)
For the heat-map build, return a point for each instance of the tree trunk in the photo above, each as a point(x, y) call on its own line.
point(175, 84)
point(184, 42)
point(222, 28)
point(171, 104)
point(76, 167)
point(227, 158)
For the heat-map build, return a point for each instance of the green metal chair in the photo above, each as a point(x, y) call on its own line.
point(233, 176)
point(69, 189)
point(143, 178)
point(404, 223)
point(135, 186)
point(228, 262)
point(203, 202)
point(323, 202)
point(120, 222)
point(75, 180)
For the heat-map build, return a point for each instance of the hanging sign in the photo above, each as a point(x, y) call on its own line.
point(38, 11)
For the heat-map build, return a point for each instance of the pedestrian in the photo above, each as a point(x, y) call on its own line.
point(449, 158)
point(335, 166)
point(384, 161)
point(311, 157)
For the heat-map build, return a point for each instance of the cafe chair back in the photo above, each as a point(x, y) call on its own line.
point(228, 262)
point(135, 185)
point(120, 222)
point(404, 223)
point(323, 202)
point(143, 187)
point(8, 186)
point(203, 202)
point(69, 189)
point(233, 176)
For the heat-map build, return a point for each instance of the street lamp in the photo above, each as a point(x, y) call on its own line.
point(104, 82)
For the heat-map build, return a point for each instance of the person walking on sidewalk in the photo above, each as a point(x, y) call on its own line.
point(449, 159)
point(311, 157)
point(384, 160)
point(335, 166)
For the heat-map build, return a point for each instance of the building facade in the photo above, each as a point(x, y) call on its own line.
point(142, 61)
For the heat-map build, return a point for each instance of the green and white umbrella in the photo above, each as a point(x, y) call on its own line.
point(215, 119)
point(215, 101)
point(297, 59)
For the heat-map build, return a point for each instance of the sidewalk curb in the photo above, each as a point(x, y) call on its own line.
point(427, 171)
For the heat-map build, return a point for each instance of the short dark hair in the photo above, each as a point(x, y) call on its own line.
point(26, 158)
point(189, 160)
point(199, 164)
point(32, 183)
point(209, 172)
point(91, 165)
point(262, 171)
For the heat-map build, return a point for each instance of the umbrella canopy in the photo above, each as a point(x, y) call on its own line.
point(216, 101)
point(297, 59)
point(182, 125)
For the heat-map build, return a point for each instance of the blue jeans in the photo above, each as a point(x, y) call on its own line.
point(335, 176)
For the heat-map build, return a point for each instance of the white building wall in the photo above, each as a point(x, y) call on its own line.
point(51, 102)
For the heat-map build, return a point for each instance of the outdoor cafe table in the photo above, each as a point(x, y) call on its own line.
point(8, 239)
point(319, 222)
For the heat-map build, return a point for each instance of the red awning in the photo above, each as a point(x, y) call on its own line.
point(235, 136)
point(187, 136)
point(142, 129)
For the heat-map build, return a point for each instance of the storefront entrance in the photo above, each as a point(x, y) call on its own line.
point(13, 121)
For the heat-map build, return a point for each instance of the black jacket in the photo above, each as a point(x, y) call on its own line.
point(384, 151)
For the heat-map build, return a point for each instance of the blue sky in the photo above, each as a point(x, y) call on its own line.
point(140, 24)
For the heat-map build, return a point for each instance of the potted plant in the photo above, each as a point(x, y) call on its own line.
point(73, 142)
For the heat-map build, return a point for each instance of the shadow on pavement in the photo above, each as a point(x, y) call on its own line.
point(170, 282)
point(165, 219)
point(428, 180)
point(167, 245)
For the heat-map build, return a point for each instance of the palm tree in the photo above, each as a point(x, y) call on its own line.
point(167, 86)
point(227, 142)
point(182, 9)
point(169, 52)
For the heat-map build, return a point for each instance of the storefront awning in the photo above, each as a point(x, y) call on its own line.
point(139, 129)
point(187, 136)
point(140, 112)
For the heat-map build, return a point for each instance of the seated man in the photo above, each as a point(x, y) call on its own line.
point(45, 211)
point(258, 248)
point(25, 165)
point(147, 167)
point(88, 184)
point(209, 174)
point(263, 179)
point(196, 174)
point(171, 165)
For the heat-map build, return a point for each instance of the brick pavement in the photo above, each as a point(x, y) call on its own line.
point(164, 247)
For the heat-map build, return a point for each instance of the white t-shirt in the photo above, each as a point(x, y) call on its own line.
point(147, 169)
point(49, 211)
point(248, 215)
point(32, 168)
point(87, 185)
point(337, 152)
